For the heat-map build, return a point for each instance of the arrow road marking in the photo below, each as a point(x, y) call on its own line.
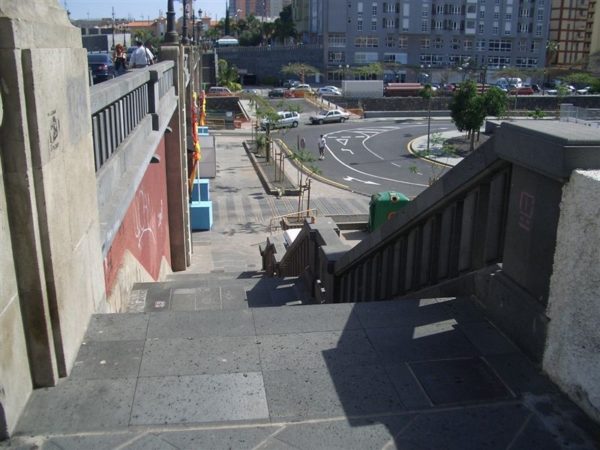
point(347, 178)
point(347, 150)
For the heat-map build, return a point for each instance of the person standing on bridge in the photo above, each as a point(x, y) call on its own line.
point(321, 147)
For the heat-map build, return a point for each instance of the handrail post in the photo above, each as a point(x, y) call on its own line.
point(154, 98)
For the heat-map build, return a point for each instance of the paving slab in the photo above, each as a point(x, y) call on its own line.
point(117, 327)
point(240, 438)
point(199, 399)
point(459, 381)
point(317, 349)
point(179, 324)
point(306, 318)
point(300, 394)
point(79, 405)
point(108, 359)
point(361, 434)
point(433, 341)
point(196, 356)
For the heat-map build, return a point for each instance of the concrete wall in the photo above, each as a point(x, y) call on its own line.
point(140, 250)
point(572, 355)
point(265, 62)
point(15, 381)
point(47, 161)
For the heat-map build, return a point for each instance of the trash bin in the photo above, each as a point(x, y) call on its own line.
point(383, 206)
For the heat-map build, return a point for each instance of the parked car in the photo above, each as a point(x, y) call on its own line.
point(101, 67)
point(286, 119)
point(219, 91)
point(276, 93)
point(523, 90)
point(300, 90)
point(583, 91)
point(329, 90)
point(290, 83)
point(335, 115)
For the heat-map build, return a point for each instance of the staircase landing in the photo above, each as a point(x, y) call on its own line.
point(411, 374)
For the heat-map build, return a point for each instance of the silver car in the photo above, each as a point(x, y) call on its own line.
point(286, 119)
point(335, 115)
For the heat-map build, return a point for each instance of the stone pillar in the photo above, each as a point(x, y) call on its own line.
point(50, 182)
point(177, 169)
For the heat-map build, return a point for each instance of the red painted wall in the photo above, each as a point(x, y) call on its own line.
point(145, 228)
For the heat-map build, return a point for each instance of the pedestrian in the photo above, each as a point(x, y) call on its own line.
point(139, 57)
point(120, 59)
point(150, 52)
point(321, 147)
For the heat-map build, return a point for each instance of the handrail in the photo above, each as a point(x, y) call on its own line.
point(296, 213)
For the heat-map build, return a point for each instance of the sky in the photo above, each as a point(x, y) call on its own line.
point(137, 9)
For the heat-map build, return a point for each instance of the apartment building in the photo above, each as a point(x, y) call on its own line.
point(436, 35)
point(568, 26)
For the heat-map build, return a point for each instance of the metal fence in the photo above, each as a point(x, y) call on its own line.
point(584, 116)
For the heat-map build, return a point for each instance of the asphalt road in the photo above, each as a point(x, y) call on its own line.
point(369, 156)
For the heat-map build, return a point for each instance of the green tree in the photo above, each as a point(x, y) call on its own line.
point(301, 70)
point(368, 71)
point(285, 27)
point(495, 102)
point(228, 76)
point(468, 110)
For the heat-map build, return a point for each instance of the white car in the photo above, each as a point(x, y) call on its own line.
point(584, 91)
point(329, 90)
point(286, 119)
point(335, 115)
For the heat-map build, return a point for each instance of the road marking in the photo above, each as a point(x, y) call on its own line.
point(397, 165)
point(343, 141)
point(347, 150)
point(347, 178)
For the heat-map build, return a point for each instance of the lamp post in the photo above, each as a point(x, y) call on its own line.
point(171, 35)
point(184, 29)
point(343, 70)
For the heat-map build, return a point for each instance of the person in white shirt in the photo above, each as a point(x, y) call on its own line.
point(140, 57)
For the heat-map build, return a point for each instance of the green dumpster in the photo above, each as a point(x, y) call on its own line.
point(383, 206)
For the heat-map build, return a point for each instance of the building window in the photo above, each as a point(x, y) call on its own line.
point(365, 57)
point(526, 62)
point(424, 25)
point(405, 23)
point(482, 12)
point(337, 40)
point(335, 57)
point(438, 43)
point(366, 41)
point(359, 25)
point(495, 30)
point(402, 42)
point(498, 61)
point(538, 29)
point(467, 44)
point(425, 43)
point(508, 16)
point(540, 14)
point(499, 45)
point(480, 45)
point(481, 28)
point(390, 40)
point(374, 25)
point(359, 7)
point(522, 46)
point(455, 44)
point(374, 9)
point(535, 46)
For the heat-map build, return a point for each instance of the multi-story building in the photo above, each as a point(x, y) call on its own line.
point(258, 8)
point(593, 36)
point(438, 35)
point(568, 25)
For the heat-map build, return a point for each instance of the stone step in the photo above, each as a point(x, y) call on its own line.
point(202, 292)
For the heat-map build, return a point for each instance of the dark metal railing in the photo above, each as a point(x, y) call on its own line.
point(120, 105)
point(455, 227)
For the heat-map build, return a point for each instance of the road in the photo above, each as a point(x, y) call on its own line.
point(369, 156)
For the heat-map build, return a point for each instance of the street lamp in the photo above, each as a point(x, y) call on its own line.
point(343, 70)
point(171, 35)
point(184, 29)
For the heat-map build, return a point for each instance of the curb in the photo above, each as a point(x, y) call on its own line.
point(311, 174)
point(269, 189)
point(410, 149)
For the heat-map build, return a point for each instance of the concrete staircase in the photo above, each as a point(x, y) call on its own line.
point(217, 291)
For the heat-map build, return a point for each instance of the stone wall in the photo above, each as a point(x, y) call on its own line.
point(572, 356)
point(265, 62)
